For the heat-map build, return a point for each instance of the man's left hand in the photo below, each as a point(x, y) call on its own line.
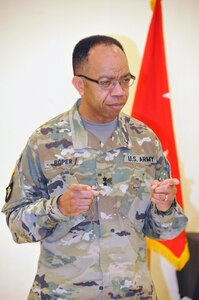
point(163, 193)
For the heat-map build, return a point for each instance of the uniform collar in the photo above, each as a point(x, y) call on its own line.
point(81, 138)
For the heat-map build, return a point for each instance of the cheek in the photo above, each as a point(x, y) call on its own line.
point(101, 98)
point(104, 98)
point(126, 94)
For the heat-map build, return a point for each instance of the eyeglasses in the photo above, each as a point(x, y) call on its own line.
point(109, 84)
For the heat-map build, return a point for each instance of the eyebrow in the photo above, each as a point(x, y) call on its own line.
point(112, 77)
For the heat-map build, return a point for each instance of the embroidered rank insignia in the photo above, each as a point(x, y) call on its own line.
point(105, 179)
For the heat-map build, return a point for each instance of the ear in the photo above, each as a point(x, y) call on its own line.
point(78, 84)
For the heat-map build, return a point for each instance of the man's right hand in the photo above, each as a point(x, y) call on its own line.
point(76, 199)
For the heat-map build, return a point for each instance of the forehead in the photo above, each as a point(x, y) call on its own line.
point(107, 58)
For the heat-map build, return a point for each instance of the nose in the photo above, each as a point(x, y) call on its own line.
point(117, 89)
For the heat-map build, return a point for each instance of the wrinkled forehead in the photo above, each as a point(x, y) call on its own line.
point(107, 58)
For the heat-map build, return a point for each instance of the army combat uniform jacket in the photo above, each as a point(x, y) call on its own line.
point(99, 254)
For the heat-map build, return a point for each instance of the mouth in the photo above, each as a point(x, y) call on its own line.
point(116, 106)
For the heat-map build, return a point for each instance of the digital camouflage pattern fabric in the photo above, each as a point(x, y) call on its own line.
point(100, 254)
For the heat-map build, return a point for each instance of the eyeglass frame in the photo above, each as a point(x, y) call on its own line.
point(113, 80)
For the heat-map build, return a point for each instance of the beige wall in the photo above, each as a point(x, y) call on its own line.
point(37, 38)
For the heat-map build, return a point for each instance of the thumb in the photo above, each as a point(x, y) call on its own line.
point(170, 181)
point(173, 181)
point(94, 192)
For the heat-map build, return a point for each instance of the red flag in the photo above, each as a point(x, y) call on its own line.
point(152, 106)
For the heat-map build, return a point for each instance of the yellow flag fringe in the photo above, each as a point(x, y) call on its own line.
point(177, 262)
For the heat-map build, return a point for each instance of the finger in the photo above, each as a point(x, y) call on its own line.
point(80, 187)
point(86, 194)
point(163, 200)
point(82, 208)
point(161, 197)
point(173, 181)
point(154, 184)
point(77, 187)
point(166, 189)
point(95, 193)
point(82, 202)
point(170, 181)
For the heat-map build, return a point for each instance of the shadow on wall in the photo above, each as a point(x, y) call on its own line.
point(191, 211)
point(134, 60)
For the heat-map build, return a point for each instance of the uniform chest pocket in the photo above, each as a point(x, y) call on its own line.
point(141, 179)
point(137, 197)
point(135, 177)
point(61, 177)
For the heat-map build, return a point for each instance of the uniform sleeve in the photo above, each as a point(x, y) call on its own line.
point(164, 225)
point(31, 214)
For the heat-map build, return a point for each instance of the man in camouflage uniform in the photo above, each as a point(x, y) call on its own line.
point(90, 185)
